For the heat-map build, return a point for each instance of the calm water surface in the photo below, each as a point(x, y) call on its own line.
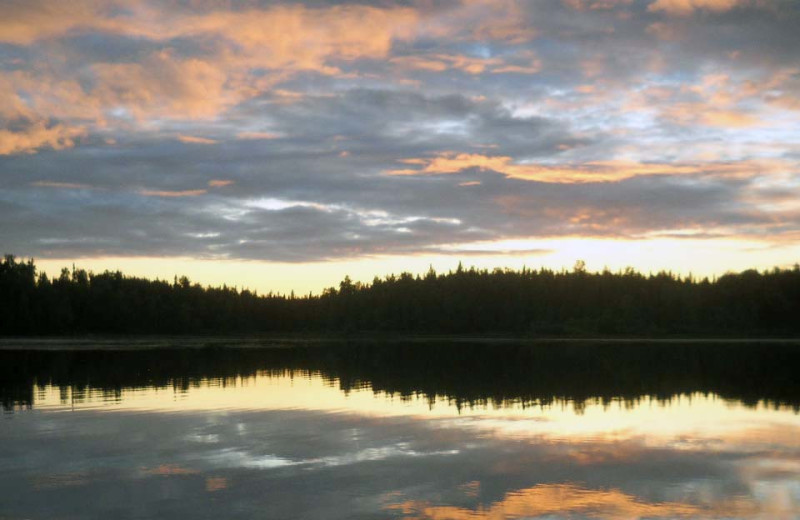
point(415, 431)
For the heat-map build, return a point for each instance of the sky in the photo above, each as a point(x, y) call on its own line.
point(281, 145)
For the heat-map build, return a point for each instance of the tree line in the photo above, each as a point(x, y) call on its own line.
point(534, 302)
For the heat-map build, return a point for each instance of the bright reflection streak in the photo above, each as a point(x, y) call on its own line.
point(565, 499)
point(695, 415)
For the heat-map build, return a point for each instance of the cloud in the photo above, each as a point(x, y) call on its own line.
point(393, 128)
point(190, 139)
point(63, 185)
point(481, 20)
point(281, 35)
point(37, 135)
point(257, 135)
point(442, 62)
point(686, 7)
point(22, 23)
point(728, 118)
point(296, 37)
point(580, 5)
point(164, 85)
point(596, 171)
point(524, 63)
point(169, 194)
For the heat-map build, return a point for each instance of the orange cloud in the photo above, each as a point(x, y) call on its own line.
point(281, 40)
point(533, 68)
point(421, 63)
point(693, 114)
point(286, 97)
point(217, 183)
point(581, 5)
point(12, 105)
point(595, 171)
point(38, 94)
point(782, 86)
point(524, 63)
point(195, 140)
point(719, 103)
point(453, 163)
point(257, 135)
point(289, 36)
point(569, 499)
point(729, 119)
point(167, 193)
point(686, 7)
point(441, 62)
point(498, 20)
point(22, 23)
point(63, 185)
point(298, 38)
point(38, 135)
point(164, 85)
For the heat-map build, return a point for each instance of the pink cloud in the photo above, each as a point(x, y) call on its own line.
point(167, 193)
point(190, 139)
point(469, 64)
point(37, 136)
point(257, 135)
point(164, 85)
point(280, 39)
point(62, 185)
point(593, 171)
point(686, 7)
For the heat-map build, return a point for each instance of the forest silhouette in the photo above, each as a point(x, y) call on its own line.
point(525, 302)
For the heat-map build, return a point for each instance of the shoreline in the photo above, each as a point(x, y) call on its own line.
point(278, 341)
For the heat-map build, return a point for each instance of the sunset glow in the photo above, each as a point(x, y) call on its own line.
point(282, 145)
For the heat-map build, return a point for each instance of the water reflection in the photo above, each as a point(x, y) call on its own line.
point(566, 500)
point(354, 433)
point(466, 375)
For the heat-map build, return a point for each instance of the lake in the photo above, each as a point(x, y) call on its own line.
point(414, 430)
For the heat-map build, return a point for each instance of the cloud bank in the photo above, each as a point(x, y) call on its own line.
point(306, 131)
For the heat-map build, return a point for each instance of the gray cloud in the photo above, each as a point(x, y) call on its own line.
point(122, 140)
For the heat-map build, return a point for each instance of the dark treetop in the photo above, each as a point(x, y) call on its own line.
point(526, 302)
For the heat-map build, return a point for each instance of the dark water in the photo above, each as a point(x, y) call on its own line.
point(398, 430)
